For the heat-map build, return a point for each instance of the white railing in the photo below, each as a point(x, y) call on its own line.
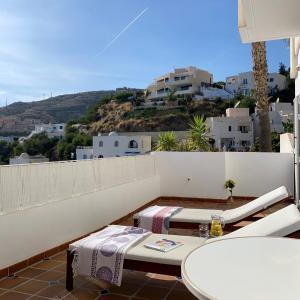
point(25, 186)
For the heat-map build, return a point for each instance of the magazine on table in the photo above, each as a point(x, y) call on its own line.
point(164, 245)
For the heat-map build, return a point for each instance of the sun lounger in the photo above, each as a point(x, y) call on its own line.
point(284, 222)
point(189, 218)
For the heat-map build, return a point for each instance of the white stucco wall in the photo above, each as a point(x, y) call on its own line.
point(125, 184)
point(206, 171)
point(254, 173)
point(258, 173)
point(28, 232)
point(287, 143)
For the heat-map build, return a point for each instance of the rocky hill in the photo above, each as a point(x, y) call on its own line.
point(20, 117)
point(121, 117)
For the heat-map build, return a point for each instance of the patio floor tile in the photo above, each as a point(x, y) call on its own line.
point(82, 294)
point(14, 296)
point(47, 264)
point(51, 276)
point(150, 293)
point(54, 291)
point(11, 282)
point(30, 272)
point(31, 287)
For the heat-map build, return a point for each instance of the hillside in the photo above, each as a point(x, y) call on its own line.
point(121, 117)
point(20, 117)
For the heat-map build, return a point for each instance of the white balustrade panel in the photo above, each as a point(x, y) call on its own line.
point(24, 186)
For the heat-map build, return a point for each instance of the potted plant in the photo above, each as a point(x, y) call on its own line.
point(229, 185)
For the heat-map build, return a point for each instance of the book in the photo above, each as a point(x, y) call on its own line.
point(164, 245)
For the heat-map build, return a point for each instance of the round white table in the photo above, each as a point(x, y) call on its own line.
point(256, 268)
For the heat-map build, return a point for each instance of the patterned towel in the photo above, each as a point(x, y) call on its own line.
point(157, 218)
point(101, 255)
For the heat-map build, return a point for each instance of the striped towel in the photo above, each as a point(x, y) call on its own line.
point(157, 218)
point(101, 255)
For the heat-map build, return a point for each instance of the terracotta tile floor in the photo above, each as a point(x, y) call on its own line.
point(46, 279)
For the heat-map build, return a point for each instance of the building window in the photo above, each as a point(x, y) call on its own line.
point(243, 129)
point(271, 79)
point(229, 128)
point(84, 156)
point(133, 144)
point(245, 81)
point(60, 127)
point(116, 143)
point(100, 143)
point(245, 143)
point(100, 156)
point(176, 78)
point(185, 87)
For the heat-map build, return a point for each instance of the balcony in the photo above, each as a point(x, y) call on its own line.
point(281, 21)
point(45, 206)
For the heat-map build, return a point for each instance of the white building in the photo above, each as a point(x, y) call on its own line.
point(243, 83)
point(114, 145)
point(233, 132)
point(83, 152)
point(52, 130)
point(25, 158)
point(185, 81)
point(279, 113)
point(8, 139)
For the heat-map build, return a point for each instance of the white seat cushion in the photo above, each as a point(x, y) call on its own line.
point(280, 223)
point(254, 206)
point(174, 257)
point(195, 215)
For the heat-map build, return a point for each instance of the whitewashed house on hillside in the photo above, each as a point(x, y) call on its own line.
point(25, 158)
point(114, 145)
point(279, 113)
point(233, 132)
point(243, 83)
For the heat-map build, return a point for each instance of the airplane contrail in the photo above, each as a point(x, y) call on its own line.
point(123, 30)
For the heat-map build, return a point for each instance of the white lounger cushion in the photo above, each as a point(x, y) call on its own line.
point(280, 223)
point(264, 201)
point(232, 215)
point(196, 215)
point(174, 257)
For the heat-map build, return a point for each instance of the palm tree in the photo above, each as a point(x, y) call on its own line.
point(260, 73)
point(198, 134)
point(146, 93)
point(166, 142)
point(171, 96)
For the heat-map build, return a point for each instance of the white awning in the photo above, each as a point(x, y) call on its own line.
point(263, 20)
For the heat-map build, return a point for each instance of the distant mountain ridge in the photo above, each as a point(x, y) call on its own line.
point(20, 117)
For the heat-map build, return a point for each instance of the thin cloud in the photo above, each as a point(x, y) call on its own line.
point(123, 30)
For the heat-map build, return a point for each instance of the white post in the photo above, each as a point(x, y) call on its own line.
point(296, 148)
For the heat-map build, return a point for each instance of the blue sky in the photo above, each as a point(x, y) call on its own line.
point(65, 46)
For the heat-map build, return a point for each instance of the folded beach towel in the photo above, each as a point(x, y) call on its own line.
point(157, 218)
point(101, 255)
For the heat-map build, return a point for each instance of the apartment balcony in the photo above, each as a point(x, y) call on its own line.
point(179, 81)
point(46, 206)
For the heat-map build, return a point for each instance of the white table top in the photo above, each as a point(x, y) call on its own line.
point(256, 268)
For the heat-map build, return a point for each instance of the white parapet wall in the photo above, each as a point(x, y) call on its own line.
point(256, 173)
point(203, 174)
point(287, 143)
point(121, 186)
point(46, 205)
point(191, 174)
